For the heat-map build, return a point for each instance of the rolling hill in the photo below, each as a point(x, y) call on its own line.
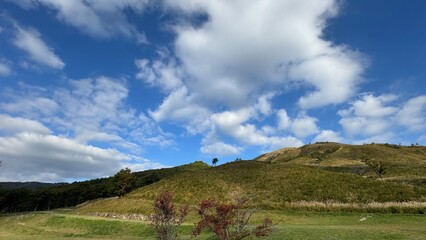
point(321, 173)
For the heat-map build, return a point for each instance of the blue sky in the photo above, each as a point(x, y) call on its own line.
point(89, 87)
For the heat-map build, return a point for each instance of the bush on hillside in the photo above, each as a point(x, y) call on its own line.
point(230, 221)
point(166, 218)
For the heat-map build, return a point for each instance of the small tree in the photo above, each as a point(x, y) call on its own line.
point(214, 161)
point(378, 167)
point(319, 156)
point(125, 181)
point(230, 221)
point(165, 218)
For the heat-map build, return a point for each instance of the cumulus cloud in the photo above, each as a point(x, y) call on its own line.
point(220, 149)
point(284, 121)
point(96, 18)
point(369, 115)
point(304, 126)
point(379, 118)
point(182, 108)
point(334, 75)
point(30, 41)
point(224, 71)
point(371, 106)
point(328, 136)
point(269, 45)
point(236, 124)
point(413, 114)
point(301, 126)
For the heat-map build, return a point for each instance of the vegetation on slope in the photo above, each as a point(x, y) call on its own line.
point(272, 185)
point(18, 200)
point(319, 173)
point(404, 164)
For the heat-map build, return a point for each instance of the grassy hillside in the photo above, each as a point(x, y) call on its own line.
point(23, 199)
point(279, 179)
point(404, 164)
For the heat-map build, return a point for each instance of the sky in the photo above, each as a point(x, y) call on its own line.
point(88, 87)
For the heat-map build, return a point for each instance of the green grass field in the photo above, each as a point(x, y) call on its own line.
point(66, 225)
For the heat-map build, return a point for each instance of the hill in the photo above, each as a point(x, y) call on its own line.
point(28, 185)
point(49, 197)
point(324, 173)
point(404, 164)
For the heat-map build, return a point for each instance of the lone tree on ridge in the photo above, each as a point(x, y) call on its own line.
point(214, 161)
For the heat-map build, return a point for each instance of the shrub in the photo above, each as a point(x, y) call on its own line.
point(165, 218)
point(230, 221)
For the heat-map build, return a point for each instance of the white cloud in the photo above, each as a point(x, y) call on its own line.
point(227, 70)
point(284, 121)
point(364, 126)
point(167, 75)
point(29, 156)
point(180, 107)
point(369, 115)
point(89, 110)
point(235, 124)
point(97, 18)
point(10, 124)
point(263, 105)
point(380, 118)
point(40, 157)
point(220, 149)
point(232, 61)
point(5, 69)
point(30, 41)
point(371, 106)
point(328, 136)
point(30, 106)
point(335, 76)
point(304, 126)
point(301, 126)
point(413, 114)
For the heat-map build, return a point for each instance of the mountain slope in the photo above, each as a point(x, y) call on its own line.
point(290, 175)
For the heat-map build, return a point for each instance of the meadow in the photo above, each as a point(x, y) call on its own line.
point(64, 224)
point(318, 191)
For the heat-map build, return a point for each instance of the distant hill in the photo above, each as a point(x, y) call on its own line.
point(321, 172)
point(29, 197)
point(28, 185)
